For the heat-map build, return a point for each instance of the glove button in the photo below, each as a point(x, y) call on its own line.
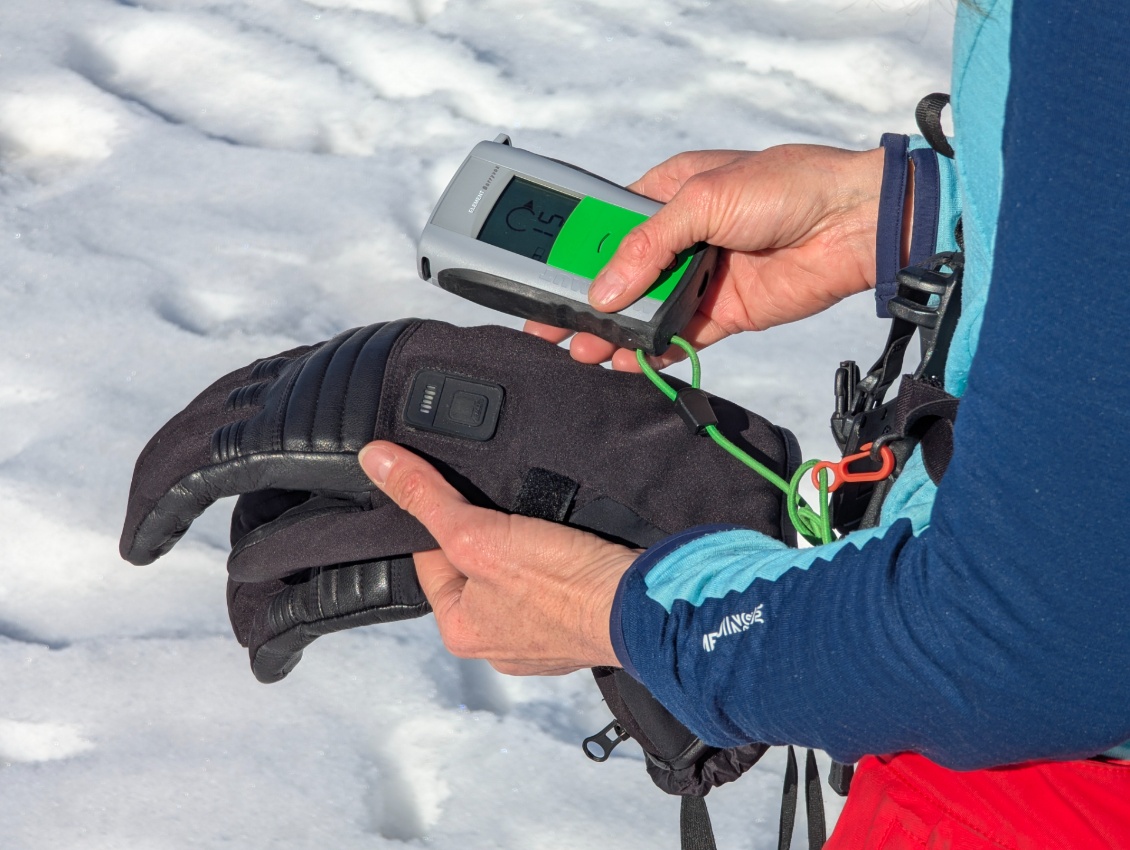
point(468, 408)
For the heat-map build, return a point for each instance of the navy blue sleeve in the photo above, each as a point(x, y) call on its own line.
point(999, 631)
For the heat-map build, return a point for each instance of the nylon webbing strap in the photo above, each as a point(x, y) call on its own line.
point(788, 804)
point(888, 234)
point(695, 831)
point(928, 116)
point(929, 303)
point(813, 803)
point(926, 413)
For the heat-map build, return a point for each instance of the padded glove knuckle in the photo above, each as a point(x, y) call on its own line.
point(246, 396)
point(294, 421)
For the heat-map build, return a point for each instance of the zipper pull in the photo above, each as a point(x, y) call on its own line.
point(599, 747)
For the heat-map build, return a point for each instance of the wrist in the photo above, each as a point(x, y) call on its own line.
point(858, 191)
point(597, 628)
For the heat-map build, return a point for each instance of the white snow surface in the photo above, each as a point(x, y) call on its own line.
point(187, 185)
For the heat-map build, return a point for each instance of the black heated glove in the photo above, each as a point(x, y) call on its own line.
point(510, 420)
point(278, 618)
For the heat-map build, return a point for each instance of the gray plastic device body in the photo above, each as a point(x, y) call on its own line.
point(450, 255)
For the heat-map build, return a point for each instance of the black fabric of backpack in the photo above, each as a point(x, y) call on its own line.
point(682, 764)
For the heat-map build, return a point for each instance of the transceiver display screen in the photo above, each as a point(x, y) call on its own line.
point(527, 218)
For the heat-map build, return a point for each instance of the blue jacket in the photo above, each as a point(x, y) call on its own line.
point(987, 620)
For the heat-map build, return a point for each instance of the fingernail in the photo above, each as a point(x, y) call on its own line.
point(376, 461)
point(607, 287)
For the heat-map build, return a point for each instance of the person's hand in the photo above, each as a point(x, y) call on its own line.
point(532, 597)
point(797, 225)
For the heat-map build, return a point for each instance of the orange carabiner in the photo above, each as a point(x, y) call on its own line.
point(841, 474)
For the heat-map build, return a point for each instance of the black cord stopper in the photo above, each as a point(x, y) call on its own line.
point(694, 407)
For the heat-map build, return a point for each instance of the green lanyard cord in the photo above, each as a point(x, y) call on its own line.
point(815, 527)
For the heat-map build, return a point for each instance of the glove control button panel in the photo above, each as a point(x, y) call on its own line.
point(452, 405)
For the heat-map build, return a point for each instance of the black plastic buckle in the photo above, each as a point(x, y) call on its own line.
point(922, 282)
point(839, 777)
point(942, 309)
point(846, 392)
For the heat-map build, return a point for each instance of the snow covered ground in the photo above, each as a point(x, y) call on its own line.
point(186, 185)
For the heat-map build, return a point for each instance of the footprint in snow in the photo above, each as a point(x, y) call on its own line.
point(25, 742)
point(200, 312)
point(230, 84)
point(483, 687)
point(408, 11)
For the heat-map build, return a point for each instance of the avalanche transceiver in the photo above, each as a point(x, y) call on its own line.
point(526, 235)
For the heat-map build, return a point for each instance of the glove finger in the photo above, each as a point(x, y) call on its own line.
point(294, 424)
point(170, 517)
point(256, 509)
point(245, 601)
point(282, 618)
point(278, 533)
point(182, 445)
point(322, 531)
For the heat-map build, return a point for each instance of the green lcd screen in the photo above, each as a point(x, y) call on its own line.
point(527, 219)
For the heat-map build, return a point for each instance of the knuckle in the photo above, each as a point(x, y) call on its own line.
point(477, 541)
point(698, 194)
point(639, 245)
point(464, 541)
point(445, 607)
point(704, 202)
point(460, 644)
point(412, 490)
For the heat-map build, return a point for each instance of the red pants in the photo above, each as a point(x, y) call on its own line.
point(906, 802)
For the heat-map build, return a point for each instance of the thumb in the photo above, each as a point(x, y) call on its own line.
point(441, 581)
point(468, 535)
point(416, 486)
point(644, 253)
